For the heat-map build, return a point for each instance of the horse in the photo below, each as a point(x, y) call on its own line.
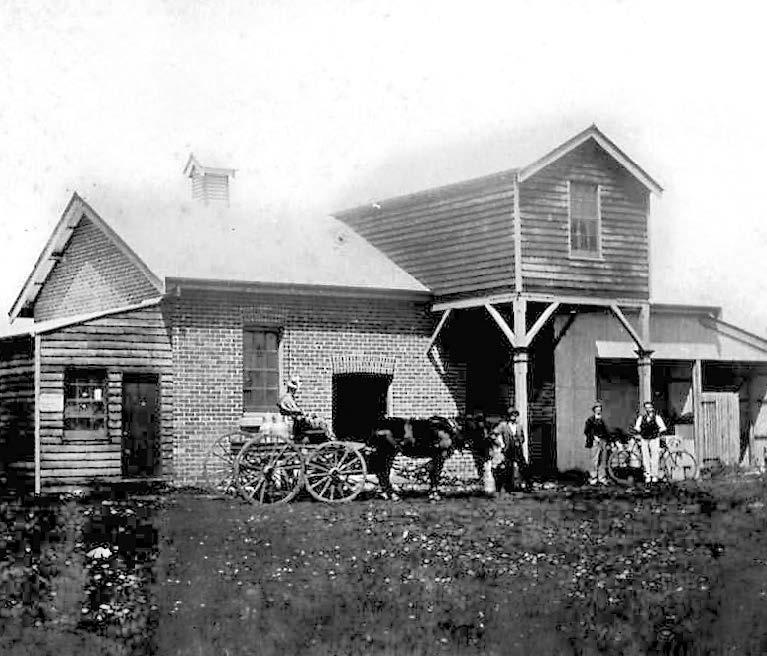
point(435, 438)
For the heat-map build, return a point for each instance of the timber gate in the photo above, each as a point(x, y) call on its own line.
point(719, 437)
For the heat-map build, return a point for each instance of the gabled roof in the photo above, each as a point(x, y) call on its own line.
point(433, 194)
point(57, 242)
point(193, 167)
point(187, 240)
point(593, 133)
point(522, 172)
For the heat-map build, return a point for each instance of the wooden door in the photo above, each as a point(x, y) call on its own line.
point(141, 396)
point(719, 437)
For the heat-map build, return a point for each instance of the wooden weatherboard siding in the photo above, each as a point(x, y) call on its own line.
point(623, 270)
point(131, 342)
point(17, 403)
point(457, 239)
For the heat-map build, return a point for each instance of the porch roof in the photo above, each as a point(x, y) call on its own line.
point(32, 328)
point(717, 340)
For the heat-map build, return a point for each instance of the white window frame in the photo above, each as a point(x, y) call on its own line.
point(576, 254)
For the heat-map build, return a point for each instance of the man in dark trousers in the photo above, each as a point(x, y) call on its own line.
point(597, 439)
point(513, 436)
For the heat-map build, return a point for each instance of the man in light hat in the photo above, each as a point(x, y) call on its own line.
point(301, 421)
point(290, 408)
point(287, 403)
point(513, 436)
point(597, 439)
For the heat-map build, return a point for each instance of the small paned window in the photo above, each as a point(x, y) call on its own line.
point(584, 219)
point(261, 370)
point(85, 404)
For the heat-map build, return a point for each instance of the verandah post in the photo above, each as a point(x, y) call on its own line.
point(38, 449)
point(644, 361)
point(521, 358)
point(644, 367)
point(521, 369)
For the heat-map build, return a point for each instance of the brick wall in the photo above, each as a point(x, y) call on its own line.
point(93, 274)
point(207, 359)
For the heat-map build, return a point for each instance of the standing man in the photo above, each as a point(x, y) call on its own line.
point(513, 437)
point(597, 438)
point(650, 427)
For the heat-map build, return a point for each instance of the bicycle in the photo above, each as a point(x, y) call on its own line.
point(625, 466)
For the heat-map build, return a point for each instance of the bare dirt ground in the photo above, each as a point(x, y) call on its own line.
point(678, 570)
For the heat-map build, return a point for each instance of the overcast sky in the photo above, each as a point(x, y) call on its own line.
point(323, 105)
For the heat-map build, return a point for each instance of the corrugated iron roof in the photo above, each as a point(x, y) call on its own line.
point(187, 239)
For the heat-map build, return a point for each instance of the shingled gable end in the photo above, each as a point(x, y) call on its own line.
point(162, 324)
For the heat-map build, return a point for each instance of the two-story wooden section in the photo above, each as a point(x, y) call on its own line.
point(515, 257)
point(160, 324)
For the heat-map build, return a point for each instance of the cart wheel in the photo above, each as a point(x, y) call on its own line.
point(269, 471)
point(218, 466)
point(335, 472)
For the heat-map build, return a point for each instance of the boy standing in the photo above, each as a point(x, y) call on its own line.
point(597, 438)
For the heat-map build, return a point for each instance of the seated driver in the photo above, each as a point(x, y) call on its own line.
point(289, 408)
point(287, 403)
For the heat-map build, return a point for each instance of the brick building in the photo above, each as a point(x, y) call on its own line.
point(158, 325)
point(135, 371)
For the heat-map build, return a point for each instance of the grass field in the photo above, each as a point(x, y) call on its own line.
point(565, 571)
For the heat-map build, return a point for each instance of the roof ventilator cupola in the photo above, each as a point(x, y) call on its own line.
point(210, 185)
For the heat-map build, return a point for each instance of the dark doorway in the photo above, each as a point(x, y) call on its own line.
point(359, 401)
point(141, 423)
point(542, 442)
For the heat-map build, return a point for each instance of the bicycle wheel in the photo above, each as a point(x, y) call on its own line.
point(678, 466)
point(624, 466)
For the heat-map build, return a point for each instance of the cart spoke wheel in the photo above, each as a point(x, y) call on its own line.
point(269, 472)
point(335, 472)
point(218, 466)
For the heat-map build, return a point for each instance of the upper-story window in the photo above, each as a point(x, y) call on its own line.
point(261, 370)
point(585, 219)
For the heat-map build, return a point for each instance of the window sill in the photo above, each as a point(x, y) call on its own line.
point(252, 419)
point(586, 257)
point(84, 439)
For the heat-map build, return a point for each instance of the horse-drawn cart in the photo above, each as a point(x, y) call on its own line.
point(275, 464)
point(268, 468)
